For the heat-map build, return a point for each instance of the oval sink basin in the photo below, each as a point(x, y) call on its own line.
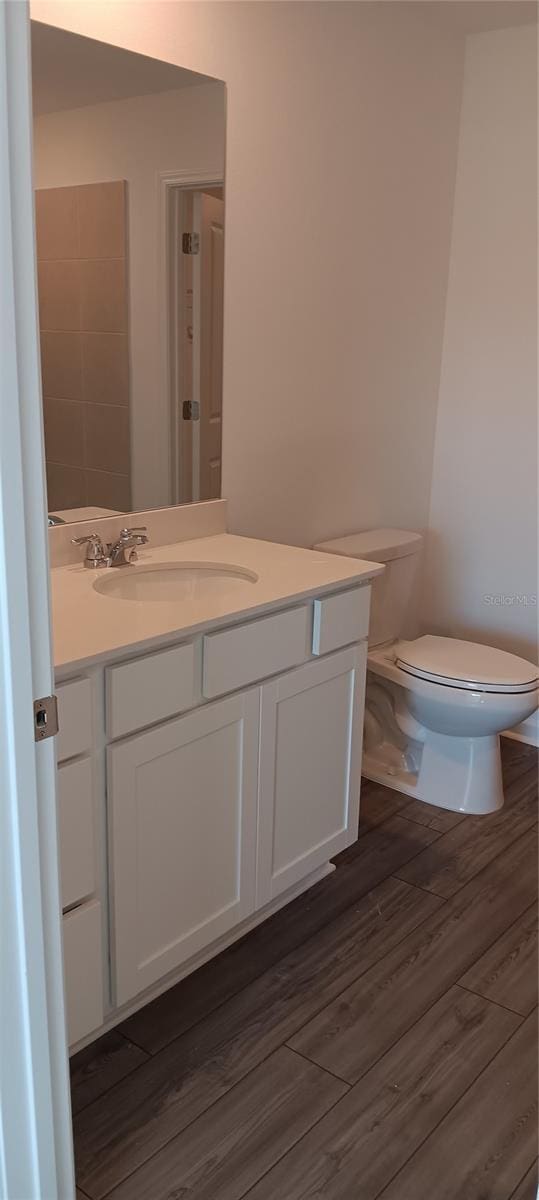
point(169, 582)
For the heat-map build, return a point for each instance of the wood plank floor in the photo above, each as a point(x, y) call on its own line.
point(376, 1038)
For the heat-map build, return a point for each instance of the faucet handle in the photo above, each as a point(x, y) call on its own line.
point(136, 533)
point(89, 537)
point(96, 555)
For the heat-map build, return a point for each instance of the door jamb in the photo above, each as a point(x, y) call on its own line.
point(170, 303)
point(36, 1147)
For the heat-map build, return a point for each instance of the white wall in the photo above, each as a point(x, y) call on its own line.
point(483, 515)
point(139, 139)
point(341, 139)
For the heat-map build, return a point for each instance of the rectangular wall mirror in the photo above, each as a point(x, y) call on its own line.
point(129, 175)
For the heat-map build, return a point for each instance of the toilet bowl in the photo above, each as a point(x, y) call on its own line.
point(450, 723)
point(434, 706)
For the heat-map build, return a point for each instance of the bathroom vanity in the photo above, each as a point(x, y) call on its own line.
point(209, 752)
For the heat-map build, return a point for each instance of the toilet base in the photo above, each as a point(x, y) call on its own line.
point(460, 774)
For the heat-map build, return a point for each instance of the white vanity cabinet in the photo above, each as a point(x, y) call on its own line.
point(310, 769)
point(182, 811)
point(226, 774)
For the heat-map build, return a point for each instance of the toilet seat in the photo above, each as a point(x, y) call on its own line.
point(469, 665)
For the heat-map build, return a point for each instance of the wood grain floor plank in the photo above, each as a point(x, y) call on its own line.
point(360, 1145)
point(482, 1148)
point(461, 853)
point(378, 1008)
point(529, 1186)
point(517, 757)
point(507, 972)
point(376, 855)
point(378, 804)
point(227, 1150)
point(427, 814)
point(102, 1064)
point(143, 1112)
point(180, 1008)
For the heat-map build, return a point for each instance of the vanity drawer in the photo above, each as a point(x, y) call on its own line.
point(340, 620)
point(150, 689)
point(243, 655)
point(75, 732)
point(83, 970)
point(76, 831)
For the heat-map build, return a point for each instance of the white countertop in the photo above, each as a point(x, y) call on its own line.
point(89, 626)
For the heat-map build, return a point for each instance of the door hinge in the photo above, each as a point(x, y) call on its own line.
point(191, 410)
point(45, 717)
point(190, 243)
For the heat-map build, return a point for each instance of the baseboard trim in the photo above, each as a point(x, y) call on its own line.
point(527, 732)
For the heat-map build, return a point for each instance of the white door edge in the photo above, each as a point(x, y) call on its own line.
point(171, 186)
point(197, 213)
point(36, 1158)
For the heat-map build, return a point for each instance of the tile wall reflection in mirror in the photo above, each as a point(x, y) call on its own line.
point(129, 178)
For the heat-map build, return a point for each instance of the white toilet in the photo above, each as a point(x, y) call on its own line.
point(435, 706)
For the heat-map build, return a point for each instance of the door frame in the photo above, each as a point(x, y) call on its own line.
point(36, 1152)
point(171, 185)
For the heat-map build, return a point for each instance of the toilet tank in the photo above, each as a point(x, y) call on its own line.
point(394, 594)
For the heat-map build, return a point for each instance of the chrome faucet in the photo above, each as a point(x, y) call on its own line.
point(120, 553)
point(123, 551)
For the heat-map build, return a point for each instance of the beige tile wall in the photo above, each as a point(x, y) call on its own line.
point(83, 316)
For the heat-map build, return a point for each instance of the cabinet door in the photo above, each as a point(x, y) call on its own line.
point(310, 768)
point(183, 814)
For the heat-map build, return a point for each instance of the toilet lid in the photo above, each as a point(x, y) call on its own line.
point(467, 664)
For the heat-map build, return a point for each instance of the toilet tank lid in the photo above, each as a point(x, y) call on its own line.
point(375, 545)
